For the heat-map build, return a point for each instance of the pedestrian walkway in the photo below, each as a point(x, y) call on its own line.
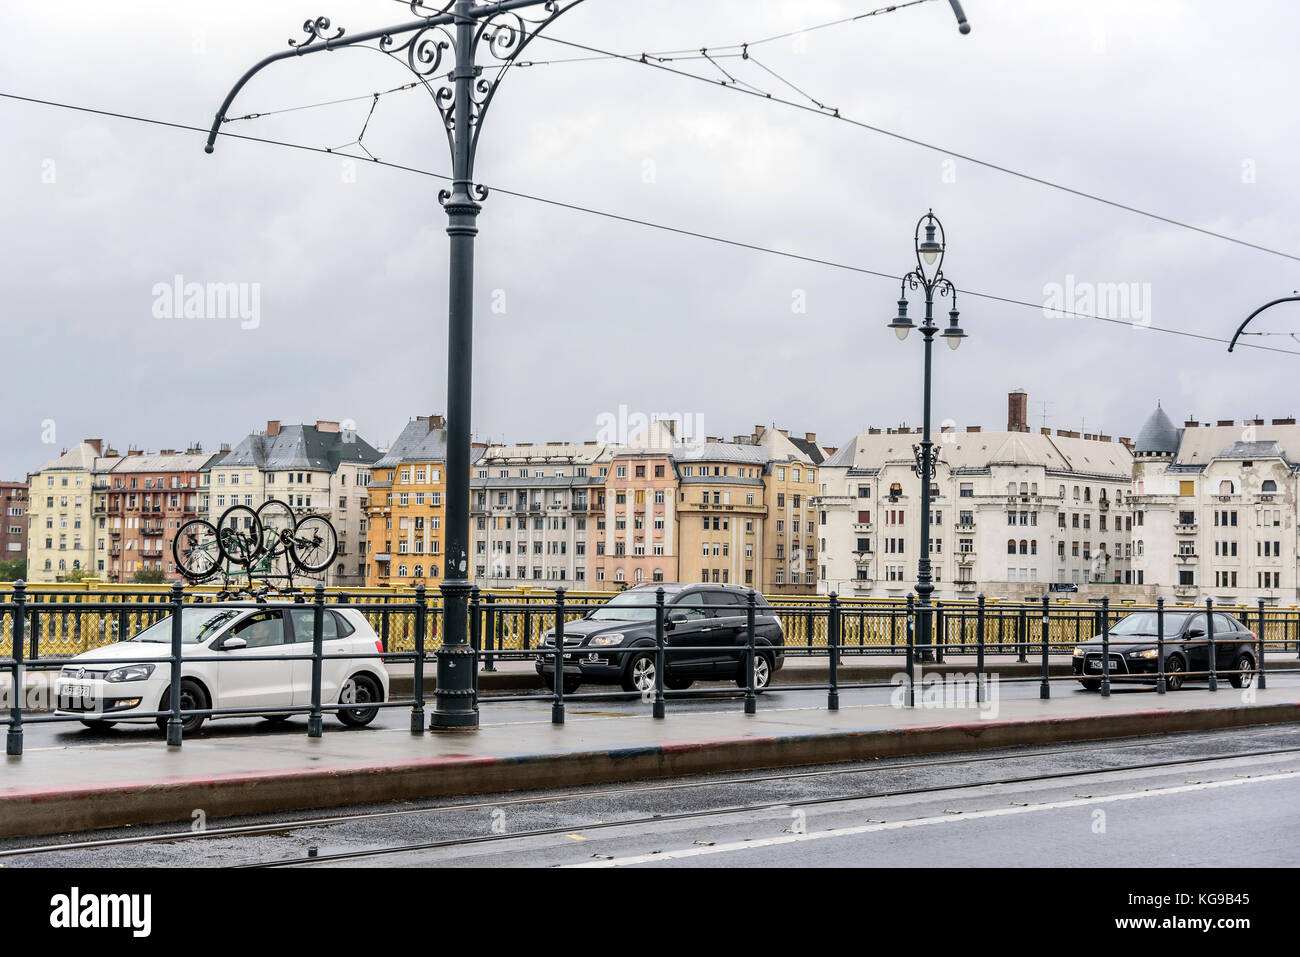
point(81, 787)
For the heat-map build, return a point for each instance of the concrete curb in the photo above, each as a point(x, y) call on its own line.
point(32, 811)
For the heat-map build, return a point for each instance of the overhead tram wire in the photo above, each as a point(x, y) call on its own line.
point(618, 217)
point(644, 60)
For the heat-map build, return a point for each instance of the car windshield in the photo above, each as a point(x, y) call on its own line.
point(197, 624)
point(629, 606)
point(1145, 623)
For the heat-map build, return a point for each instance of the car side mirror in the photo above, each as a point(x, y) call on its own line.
point(233, 644)
point(1196, 633)
point(673, 618)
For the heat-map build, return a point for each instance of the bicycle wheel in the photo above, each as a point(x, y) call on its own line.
point(277, 526)
point(196, 550)
point(239, 535)
point(314, 543)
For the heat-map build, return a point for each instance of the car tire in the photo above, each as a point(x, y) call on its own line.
point(1174, 669)
point(193, 698)
point(1090, 684)
point(571, 685)
point(762, 671)
point(359, 689)
point(678, 684)
point(1244, 663)
point(639, 675)
point(276, 718)
point(96, 725)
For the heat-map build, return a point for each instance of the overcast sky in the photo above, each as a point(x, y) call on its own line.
point(1182, 109)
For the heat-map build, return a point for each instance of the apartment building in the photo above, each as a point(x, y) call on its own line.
point(404, 520)
point(721, 512)
point(1215, 509)
point(13, 531)
point(636, 534)
point(534, 510)
point(317, 469)
point(1007, 508)
point(60, 538)
point(139, 503)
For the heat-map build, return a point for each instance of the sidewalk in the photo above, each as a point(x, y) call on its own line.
point(101, 785)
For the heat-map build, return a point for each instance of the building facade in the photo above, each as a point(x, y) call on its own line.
point(316, 469)
point(1216, 510)
point(406, 510)
point(534, 512)
point(139, 503)
point(60, 535)
point(13, 533)
point(1007, 508)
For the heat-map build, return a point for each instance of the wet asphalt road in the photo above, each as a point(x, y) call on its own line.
point(1045, 806)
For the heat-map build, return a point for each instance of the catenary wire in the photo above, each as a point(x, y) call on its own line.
point(619, 217)
point(901, 137)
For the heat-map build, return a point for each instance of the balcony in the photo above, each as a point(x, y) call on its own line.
point(1185, 591)
point(964, 585)
point(863, 528)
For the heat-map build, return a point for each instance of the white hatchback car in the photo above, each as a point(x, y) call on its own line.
point(246, 676)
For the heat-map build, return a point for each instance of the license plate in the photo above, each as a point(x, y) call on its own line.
point(75, 697)
point(1094, 665)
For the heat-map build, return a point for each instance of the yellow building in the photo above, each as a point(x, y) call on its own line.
point(60, 535)
point(406, 512)
point(721, 510)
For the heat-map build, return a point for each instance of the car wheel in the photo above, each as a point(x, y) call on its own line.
point(276, 718)
point(640, 673)
point(193, 698)
point(570, 684)
point(359, 690)
point(95, 725)
point(762, 671)
point(678, 684)
point(1090, 684)
point(1174, 669)
point(1245, 666)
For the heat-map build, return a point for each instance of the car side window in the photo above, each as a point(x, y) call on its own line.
point(1223, 625)
point(261, 630)
point(1196, 623)
point(721, 604)
point(304, 624)
point(692, 606)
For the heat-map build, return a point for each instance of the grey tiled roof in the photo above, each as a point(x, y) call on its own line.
point(417, 443)
point(298, 447)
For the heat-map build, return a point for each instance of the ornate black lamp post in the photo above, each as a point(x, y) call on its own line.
point(927, 276)
point(442, 49)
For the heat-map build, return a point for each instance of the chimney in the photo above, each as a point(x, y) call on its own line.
point(1223, 422)
point(1018, 411)
point(1127, 443)
point(225, 448)
point(167, 452)
point(1045, 431)
point(273, 427)
point(96, 444)
point(1191, 424)
point(1284, 421)
point(810, 436)
point(974, 428)
point(322, 426)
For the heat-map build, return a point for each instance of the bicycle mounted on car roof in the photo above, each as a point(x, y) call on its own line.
point(247, 544)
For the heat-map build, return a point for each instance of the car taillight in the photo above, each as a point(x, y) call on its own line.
point(379, 646)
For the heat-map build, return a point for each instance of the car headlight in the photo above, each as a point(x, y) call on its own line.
point(1149, 653)
point(604, 641)
point(1079, 651)
point(129, 673)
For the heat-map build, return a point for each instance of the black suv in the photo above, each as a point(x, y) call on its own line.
point(1133, 650)
point(615, 642)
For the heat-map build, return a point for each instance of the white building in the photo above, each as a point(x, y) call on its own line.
point(1215, 510)
point(316, 469)
point(533, 508)
point(1009, 509)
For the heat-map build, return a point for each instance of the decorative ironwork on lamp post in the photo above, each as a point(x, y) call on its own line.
point(442, 49)
point(928, 277)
